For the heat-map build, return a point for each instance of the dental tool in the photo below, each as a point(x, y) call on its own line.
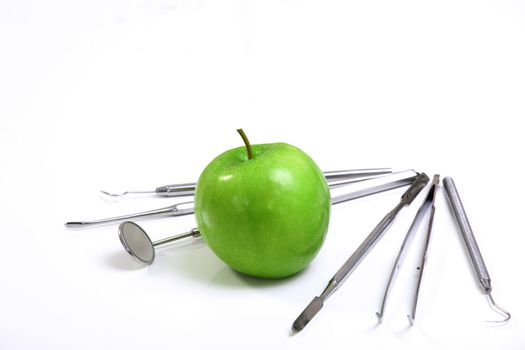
point(353, 261)
point(358, 189)
point(428, 203)
point(473, 250)
point(138, 244)
point(188, 189)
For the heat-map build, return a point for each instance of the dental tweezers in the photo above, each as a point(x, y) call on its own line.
point(473, 250)
point(427, 203)
point(353, 261)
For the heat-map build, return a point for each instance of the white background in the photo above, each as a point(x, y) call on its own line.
point(136, 94)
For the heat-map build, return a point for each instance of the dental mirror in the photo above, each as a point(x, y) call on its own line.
point(138, 244)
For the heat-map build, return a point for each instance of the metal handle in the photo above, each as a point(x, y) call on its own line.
point(188, 189)
point(362, 188)
point(374, 185)
point(370, 241)
point(173, 210)
point(340, 276)
point(355, 173)
point(176, 190)
point(366, 246)
point(468, 235)
point(194, 232)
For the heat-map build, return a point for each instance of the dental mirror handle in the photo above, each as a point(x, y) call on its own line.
point(194, 232)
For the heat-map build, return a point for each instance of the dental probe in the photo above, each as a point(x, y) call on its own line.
point(472, 246)
point(358, 189)
point(188, 189)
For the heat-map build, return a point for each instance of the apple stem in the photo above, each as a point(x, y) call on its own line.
point(246, 143)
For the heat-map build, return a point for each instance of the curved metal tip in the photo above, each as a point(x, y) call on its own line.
point(499, 309)
point(411, 319)
point(379, 317)
point(114, 194)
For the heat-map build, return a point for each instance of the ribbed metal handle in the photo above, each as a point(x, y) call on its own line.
point(177, 190)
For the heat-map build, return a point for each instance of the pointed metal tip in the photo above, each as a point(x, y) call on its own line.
point(113, 194)
point(379, 317)
point(411, 319)
point(293, 331)
point(73, 224)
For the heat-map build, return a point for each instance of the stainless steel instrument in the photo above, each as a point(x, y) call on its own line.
point(472, 246)
point(178, 209)
point(188, 189)
point(353, 261)
point(427, 203)
point(358, 189)
point(138, 244)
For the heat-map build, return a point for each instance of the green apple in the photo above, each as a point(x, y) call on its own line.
point(263, 209)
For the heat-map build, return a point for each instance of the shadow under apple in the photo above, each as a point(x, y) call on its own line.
point(195, 261)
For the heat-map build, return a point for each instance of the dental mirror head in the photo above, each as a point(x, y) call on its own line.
point(136, 242)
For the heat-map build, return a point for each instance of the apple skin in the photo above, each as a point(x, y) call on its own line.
point(267, 216)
